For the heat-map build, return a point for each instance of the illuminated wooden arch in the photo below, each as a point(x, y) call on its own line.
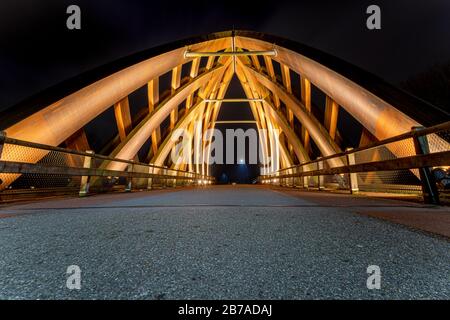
point(60, 113)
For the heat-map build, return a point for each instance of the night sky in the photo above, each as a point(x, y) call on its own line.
point(38, 51)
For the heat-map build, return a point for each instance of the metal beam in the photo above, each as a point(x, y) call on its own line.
point(235, 100)
point(236, 122)
point(192, 54)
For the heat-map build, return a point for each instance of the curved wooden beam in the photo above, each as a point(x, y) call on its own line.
point(382, 119)
point(137, 137)
point(318, 133)
point(222, 90)
point(55, 123)
point(251, 90)
point(168, 143)
point(279, 119)
point(193, 113)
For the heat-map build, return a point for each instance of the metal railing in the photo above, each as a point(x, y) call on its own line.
point(404, 162)
point(31, 168)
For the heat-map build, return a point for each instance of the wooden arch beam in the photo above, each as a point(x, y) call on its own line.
point(137, 137)
point(253, 90)
point(184, 122)
point(378, 116)
point(278, 118)
point(318, 133)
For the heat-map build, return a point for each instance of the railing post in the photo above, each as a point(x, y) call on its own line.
point(352, 177)
point(292, 178)
point(429, 188)
point(2, 141)
point(305, 180)
point(297, 179)
point(320, 178)
point(129, 185)
point(165, 177)
point(174, 180)
point(151, 170)
point(85, 180)
point(185, 181)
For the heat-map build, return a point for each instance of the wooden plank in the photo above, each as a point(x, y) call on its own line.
point(271, 72)
point(77, 141)
point(193, 73)
point(176, 80)
point(286, 76)
point(153, 100)
point(306, 100)
point(123, 118)
point(366, 138)
point(255, 62)
point(331, 116)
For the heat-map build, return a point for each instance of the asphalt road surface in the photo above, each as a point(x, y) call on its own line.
point(224, 242)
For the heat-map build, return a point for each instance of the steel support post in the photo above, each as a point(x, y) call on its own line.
point(320, 179)
point(305, 180)
point(151, 170)
point(165, 178)
point(2, 142)
point(129, 185)
point(85, 180)
point(352, 177)
point(429, 188)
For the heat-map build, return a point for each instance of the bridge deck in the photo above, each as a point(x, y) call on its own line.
point(223, 242)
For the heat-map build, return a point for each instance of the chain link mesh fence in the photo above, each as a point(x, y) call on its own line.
point(54, 171)
point(382, 156)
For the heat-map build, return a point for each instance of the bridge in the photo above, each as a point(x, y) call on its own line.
point(115, 171)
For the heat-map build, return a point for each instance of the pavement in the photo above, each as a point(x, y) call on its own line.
point(222, 242)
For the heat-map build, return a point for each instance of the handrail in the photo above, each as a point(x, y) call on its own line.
point(23, 143)
point(25, 167)
point(411, 162)
point(407, 135)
